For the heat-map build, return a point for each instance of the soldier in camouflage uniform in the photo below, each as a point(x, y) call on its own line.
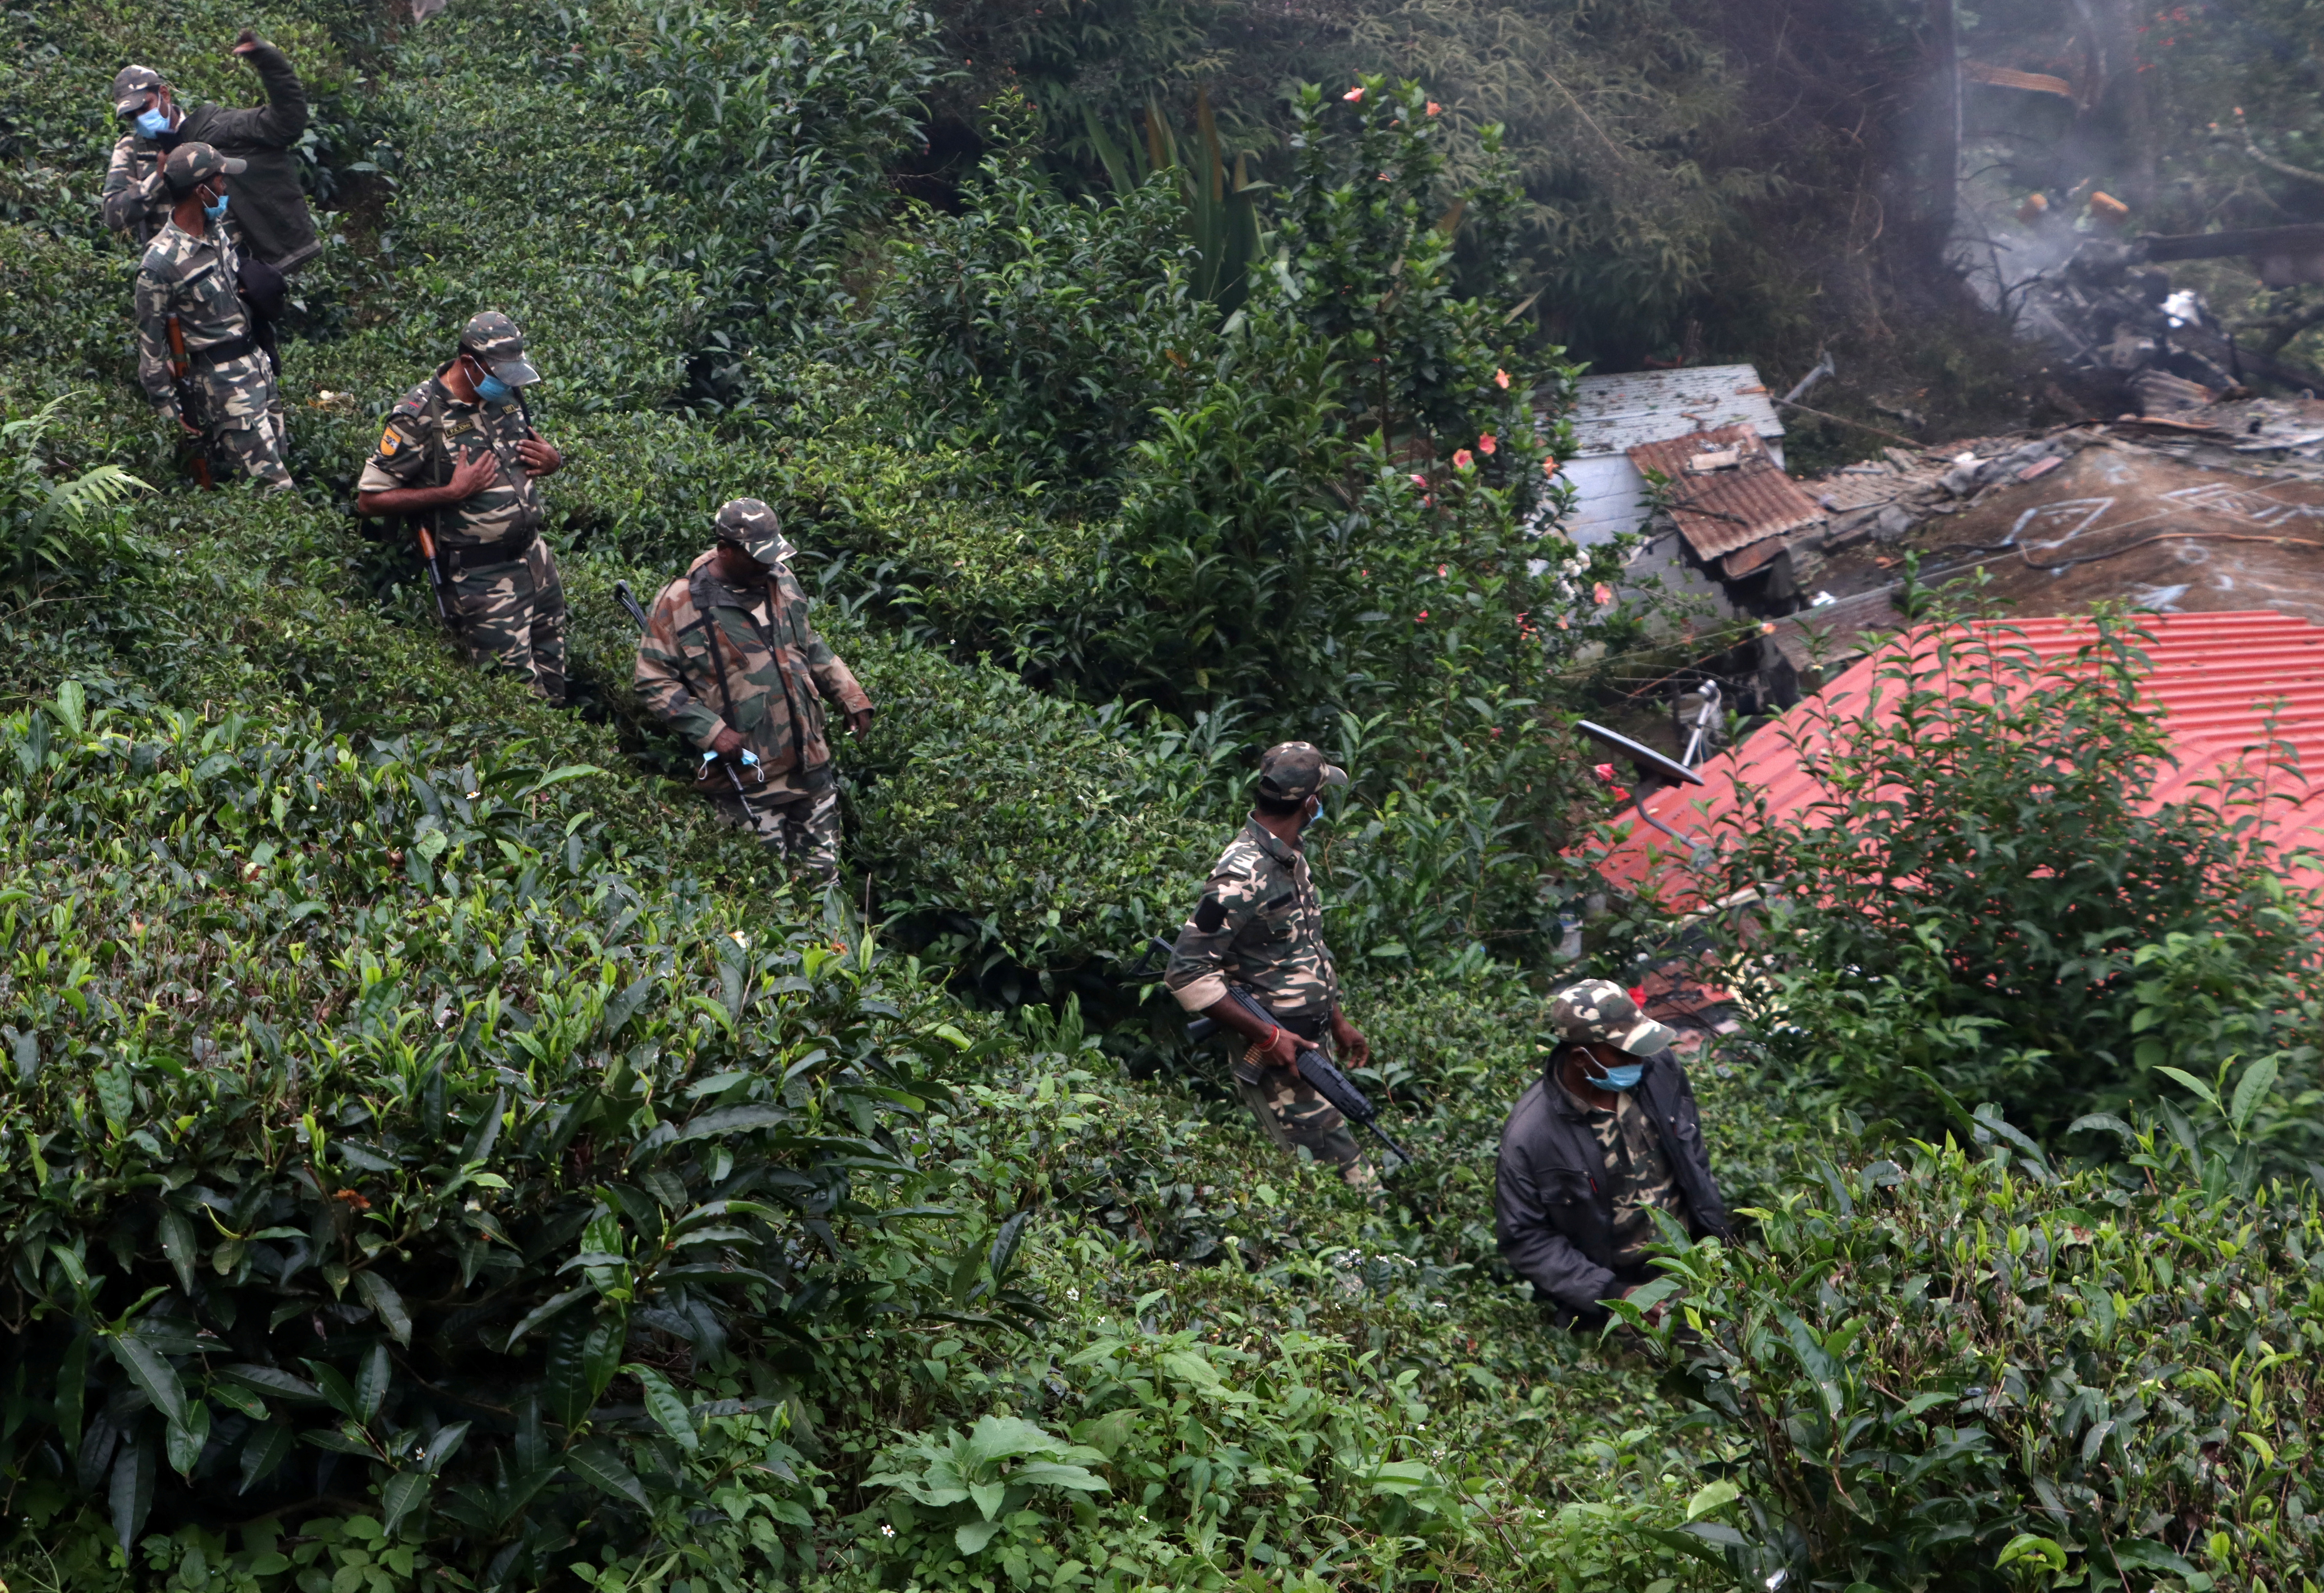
point(188, 277)
point(729, 661)
point(1260, 925)
point(269, 209)
point(1604, 1139)
point(460, 456)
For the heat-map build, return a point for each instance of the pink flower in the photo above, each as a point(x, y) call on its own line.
point(1354, 95)
point(1420, 481)
point(1462, 459)
point(1420, 618)
point(1487, 444)
point(1434, 107)
point(1440, 571)
point(1603, 593)
point(1501, 380)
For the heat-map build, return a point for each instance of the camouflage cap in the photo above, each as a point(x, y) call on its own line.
point(494, 340)
point(1295, 769)
point(131, 85)
point(1599, 1010)
point(752, 526)
point(191, 165)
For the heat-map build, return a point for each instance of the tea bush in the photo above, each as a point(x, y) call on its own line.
point(378, 1119)
point(1978, 894)
point(1963, 1369)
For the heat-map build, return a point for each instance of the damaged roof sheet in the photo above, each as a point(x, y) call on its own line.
point(1721, 510)
point(1612, 414)
point(2237, 693)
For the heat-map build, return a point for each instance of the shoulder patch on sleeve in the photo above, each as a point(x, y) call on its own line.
point(1211, 914)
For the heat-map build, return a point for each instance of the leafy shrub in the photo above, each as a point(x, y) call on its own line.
point(1976, 889)
point(1966, 1371)
point(1049, 329)
point(979, 1483)
point(382, 1134)
point(47, 525)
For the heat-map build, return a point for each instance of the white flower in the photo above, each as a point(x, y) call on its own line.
point(886, 1530)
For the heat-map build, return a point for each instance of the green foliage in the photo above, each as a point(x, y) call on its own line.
point(48, 526)
point(978, 1484)
point(1966, 1371)
point(764, 132)
point(378, 1127)
point(1222, 210)
point(1984, 891)
point(1048, 328)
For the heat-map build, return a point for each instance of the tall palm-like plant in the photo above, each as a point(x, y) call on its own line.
point(1222, 219)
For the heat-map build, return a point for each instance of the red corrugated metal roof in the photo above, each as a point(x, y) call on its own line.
point(2227, 685)
point(1720, 511)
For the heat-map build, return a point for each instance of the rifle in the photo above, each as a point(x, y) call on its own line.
point(436, 578)
point(1311, 1063)
point(193, 404)
point(629, 600)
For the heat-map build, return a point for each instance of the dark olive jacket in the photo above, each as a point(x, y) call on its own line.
point(1553, 1212)
point(269, 209)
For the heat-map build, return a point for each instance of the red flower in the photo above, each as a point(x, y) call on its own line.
point(1420, 481)
point(1434, 107)
point(1501, 380)
point(1354, 95)
point(1549, 466)
point(1420, 618)
point(1462, 459)
point(1488, 444)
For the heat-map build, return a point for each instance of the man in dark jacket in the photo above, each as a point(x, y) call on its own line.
point(269, 211)
point(1604, 1138)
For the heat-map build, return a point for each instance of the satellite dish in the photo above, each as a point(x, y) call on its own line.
point(1657, 768)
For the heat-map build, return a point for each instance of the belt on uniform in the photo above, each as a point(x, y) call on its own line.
point(220, 353)
point(477, 555)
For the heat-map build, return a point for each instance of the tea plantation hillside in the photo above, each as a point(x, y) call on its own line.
point(435, 1156)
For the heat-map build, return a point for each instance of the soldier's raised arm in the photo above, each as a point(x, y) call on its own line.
point(282, 119)
point(125, 198)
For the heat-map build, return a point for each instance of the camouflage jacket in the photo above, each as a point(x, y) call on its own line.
point(1639, 1177)
point(1260, 925)
point(428, 426)
point(711, 658)
point(268, 203)
point(192, 279)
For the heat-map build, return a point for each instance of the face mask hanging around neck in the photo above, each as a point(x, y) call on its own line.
point(494, 392)
point(216, 212)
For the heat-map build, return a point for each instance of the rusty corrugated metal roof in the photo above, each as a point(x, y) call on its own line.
point(1720, 511)
point(2235, 690)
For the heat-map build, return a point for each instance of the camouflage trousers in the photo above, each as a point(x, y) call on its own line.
point(1290, 1113)
point(511, 614)
point(245, 427)
point(798, 826)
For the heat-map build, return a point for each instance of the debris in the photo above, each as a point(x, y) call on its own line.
point(2106, 207)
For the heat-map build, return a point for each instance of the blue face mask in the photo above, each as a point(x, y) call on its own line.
point(216, 212)
point(1625, 1077)
point(494, 392)
point(152, 123)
